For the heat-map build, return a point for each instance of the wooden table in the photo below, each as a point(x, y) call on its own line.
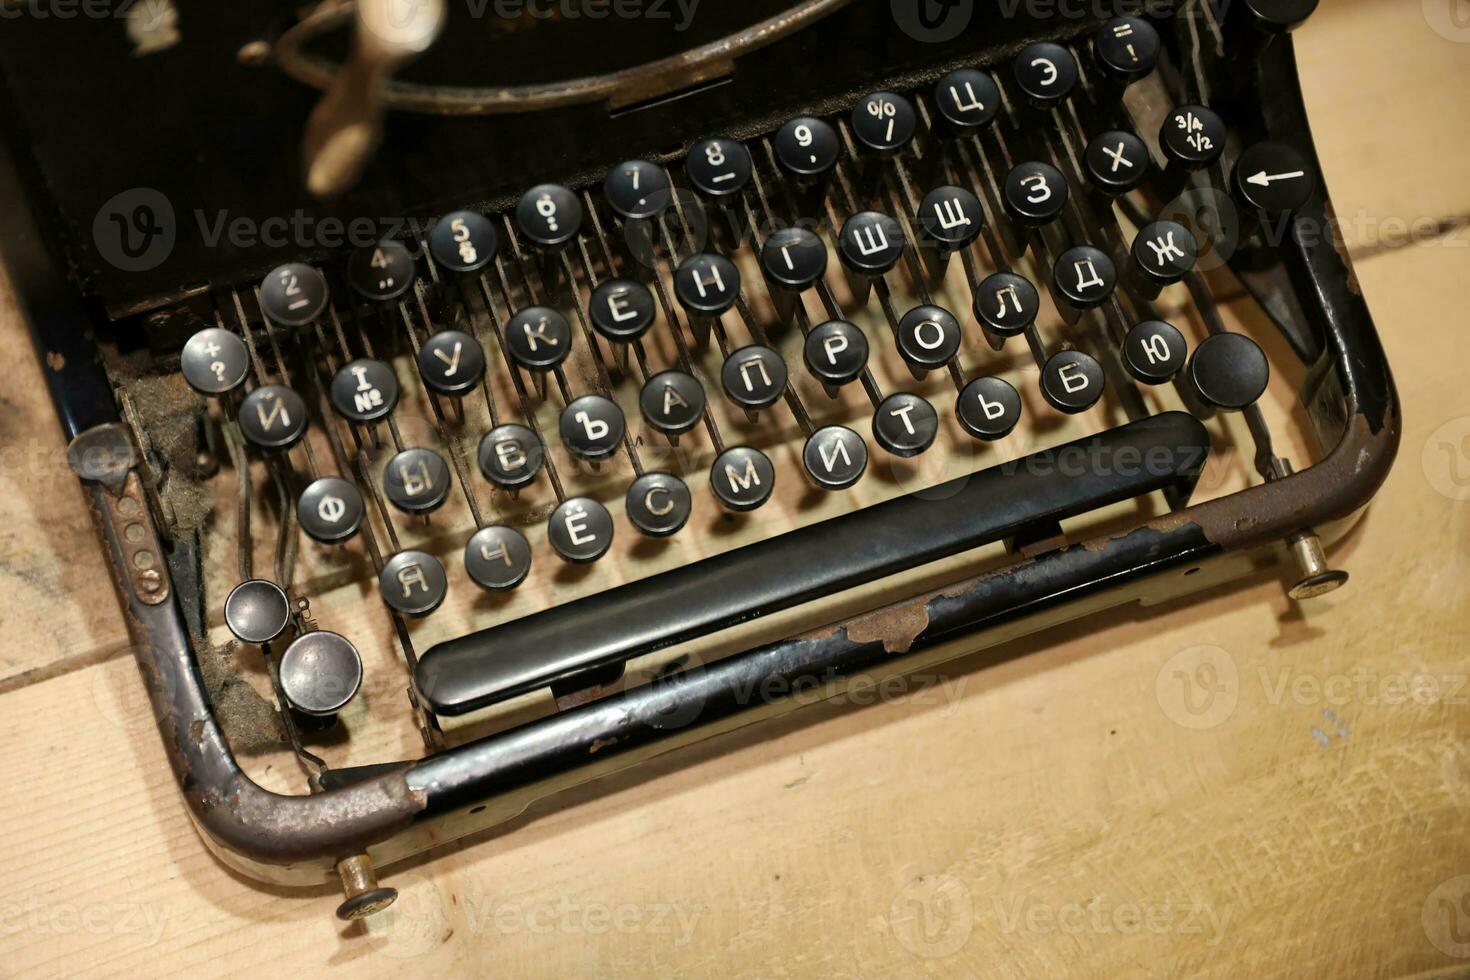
point(1062, 812)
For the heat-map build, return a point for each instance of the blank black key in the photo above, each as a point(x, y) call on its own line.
point(742, 478)
point(330, 510)
point(1192, 137)
point(883, 123)
point(1085, 276)
point(835, 352)
point(257, 611)
point(967, 100)
point(1126, 48)
point(497, 558)
point(580, 530)
point(807, 148)
point(319, 673)
point(416, 481)
point(1072, 381)
point(707, 284)
point(382, 272)
point(451, 362)
point(905, 424)
point(214, 361)
point(364, 390)
point(1046, 73)
point(754, 377)
point(1164, 252)
point(1229, 371)
point(273, 417)
point(1117, 161)
point(592, 427)
point(672, 402)
point(718, 168)
point(549, 216)
point(539, 338)
point(294, 294)
point(1154, 351)
point(928, 336)
point(1035, 192)
point(464, 241)
point(637, 189)
point(988, 408)
point(658, 504)
point(510, 456)
point(834, 457)
point(413, 583)
point(621, 310)
point(1006, 303)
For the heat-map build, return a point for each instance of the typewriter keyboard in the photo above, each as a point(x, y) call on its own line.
point(524, 450)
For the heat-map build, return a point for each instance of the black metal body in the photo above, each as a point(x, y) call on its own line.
point(396, 812)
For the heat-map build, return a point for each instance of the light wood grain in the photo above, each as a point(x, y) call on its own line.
point(1043, 811)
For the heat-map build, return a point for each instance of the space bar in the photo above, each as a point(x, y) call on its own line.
point(503, 661)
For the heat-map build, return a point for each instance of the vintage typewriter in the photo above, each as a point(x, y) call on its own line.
point(477, 400)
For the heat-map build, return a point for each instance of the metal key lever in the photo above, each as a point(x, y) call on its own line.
point(1165, 451)
point(346, 125)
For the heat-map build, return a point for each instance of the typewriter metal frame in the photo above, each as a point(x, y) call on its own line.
point(406, 809)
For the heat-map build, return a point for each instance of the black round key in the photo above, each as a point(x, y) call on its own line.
point(835, 352)
point(510, 456)
point(1035, 192)
point(718, 168)
point(637, 189)
point(257, 611)
point(754, 377)
point(658, 504)
point(807, 147)
point(672, 402)
point(1278, 16)
point(1046, 72)
point(884, 122)
point(381, 272)
point(951, 216)
point(330, 510)
point(364, 390)
point(592, 427)
point(1192, 136)
point(794, 258)
point(1164, 252)
point(549, 215)
point(214, 361)
point(1071, 381)
point(451, 362)
point(1085, 276)
point(294, 295)
point(621, 310)
point(539, 338)
point(1126, 48)
point(871, 243)
point(320, 673)
point(967, 99)
point(497, 558)
point(1006, 303)
point(1273, 179)
point(905, 424)
point(416, 481)
point(463, 241)
point(1117, 161)
point(707, 284)
point(928, 336)
point(580, 530)
point(834, 457)
point(988, 408)
point(273, 417)
point(1229, 371)
point(413, 583)
point(742, 478)
point(1154, 351)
